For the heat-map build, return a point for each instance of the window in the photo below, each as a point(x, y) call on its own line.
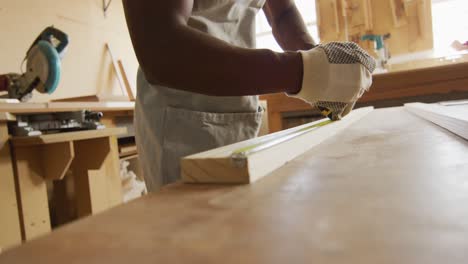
point(448, 16)
point(265, 37)
point(449, 22)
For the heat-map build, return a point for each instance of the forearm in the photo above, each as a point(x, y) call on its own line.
point(290, 30)
point(190, 60)
point(173, 54)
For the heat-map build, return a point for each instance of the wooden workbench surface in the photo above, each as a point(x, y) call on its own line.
point(392, 189)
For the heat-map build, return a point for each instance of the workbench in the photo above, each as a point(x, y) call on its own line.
point(28, 163)
point(392, 188)
point(428, 84)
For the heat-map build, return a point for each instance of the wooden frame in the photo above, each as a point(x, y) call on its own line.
point(248, 161)
point(453, 118)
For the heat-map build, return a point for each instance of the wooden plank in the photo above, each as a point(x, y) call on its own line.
point(224, 165)
point(128, 86)
point(67, 136)
point(113, 182)
point(116, 68)
point(32, 192)
point(453, 118)
point(392, 189)
point(9, 220)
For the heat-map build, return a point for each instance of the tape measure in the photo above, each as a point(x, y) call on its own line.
point(269, 142)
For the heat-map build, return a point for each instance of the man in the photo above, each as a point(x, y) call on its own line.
point(200, 75)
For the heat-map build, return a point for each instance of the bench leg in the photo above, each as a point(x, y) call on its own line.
point(96, 175)
point(9, 221)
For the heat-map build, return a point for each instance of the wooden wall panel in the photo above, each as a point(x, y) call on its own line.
point(330, 20)
point(409, 23)
point(87, 67)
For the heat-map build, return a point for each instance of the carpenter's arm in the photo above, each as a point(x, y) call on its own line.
point(171, 53)
point(288, 27)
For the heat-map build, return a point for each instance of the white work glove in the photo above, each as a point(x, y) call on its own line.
point(335, 76)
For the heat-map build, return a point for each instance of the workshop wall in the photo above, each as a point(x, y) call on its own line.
point(86, 67)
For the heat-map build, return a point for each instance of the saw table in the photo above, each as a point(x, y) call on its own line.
point(392, 189)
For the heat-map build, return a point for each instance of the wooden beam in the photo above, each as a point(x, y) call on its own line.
point(10, 234)
point(248, 161)
point(453, 118)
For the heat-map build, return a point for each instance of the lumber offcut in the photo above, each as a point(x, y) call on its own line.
point(250, 160)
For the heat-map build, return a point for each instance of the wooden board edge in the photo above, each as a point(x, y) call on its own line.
point(279, 155)
point(205, 171)
point(436, 115)
point(201, 168)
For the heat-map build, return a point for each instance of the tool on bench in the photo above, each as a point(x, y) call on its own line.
point(381, 48)
point(37, 124)
point(42, 67)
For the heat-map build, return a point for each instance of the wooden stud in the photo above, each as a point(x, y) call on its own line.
point(221, 166)
point(9, 220)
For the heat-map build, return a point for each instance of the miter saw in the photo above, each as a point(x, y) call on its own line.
point(42, 67)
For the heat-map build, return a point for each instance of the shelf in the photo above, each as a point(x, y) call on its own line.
point(67, 136)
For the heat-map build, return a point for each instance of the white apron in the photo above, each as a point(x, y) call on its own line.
point(171, 124)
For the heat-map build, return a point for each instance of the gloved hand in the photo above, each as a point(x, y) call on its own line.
point(335, 76)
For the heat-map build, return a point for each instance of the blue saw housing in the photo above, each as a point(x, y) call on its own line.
point(53, 61)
